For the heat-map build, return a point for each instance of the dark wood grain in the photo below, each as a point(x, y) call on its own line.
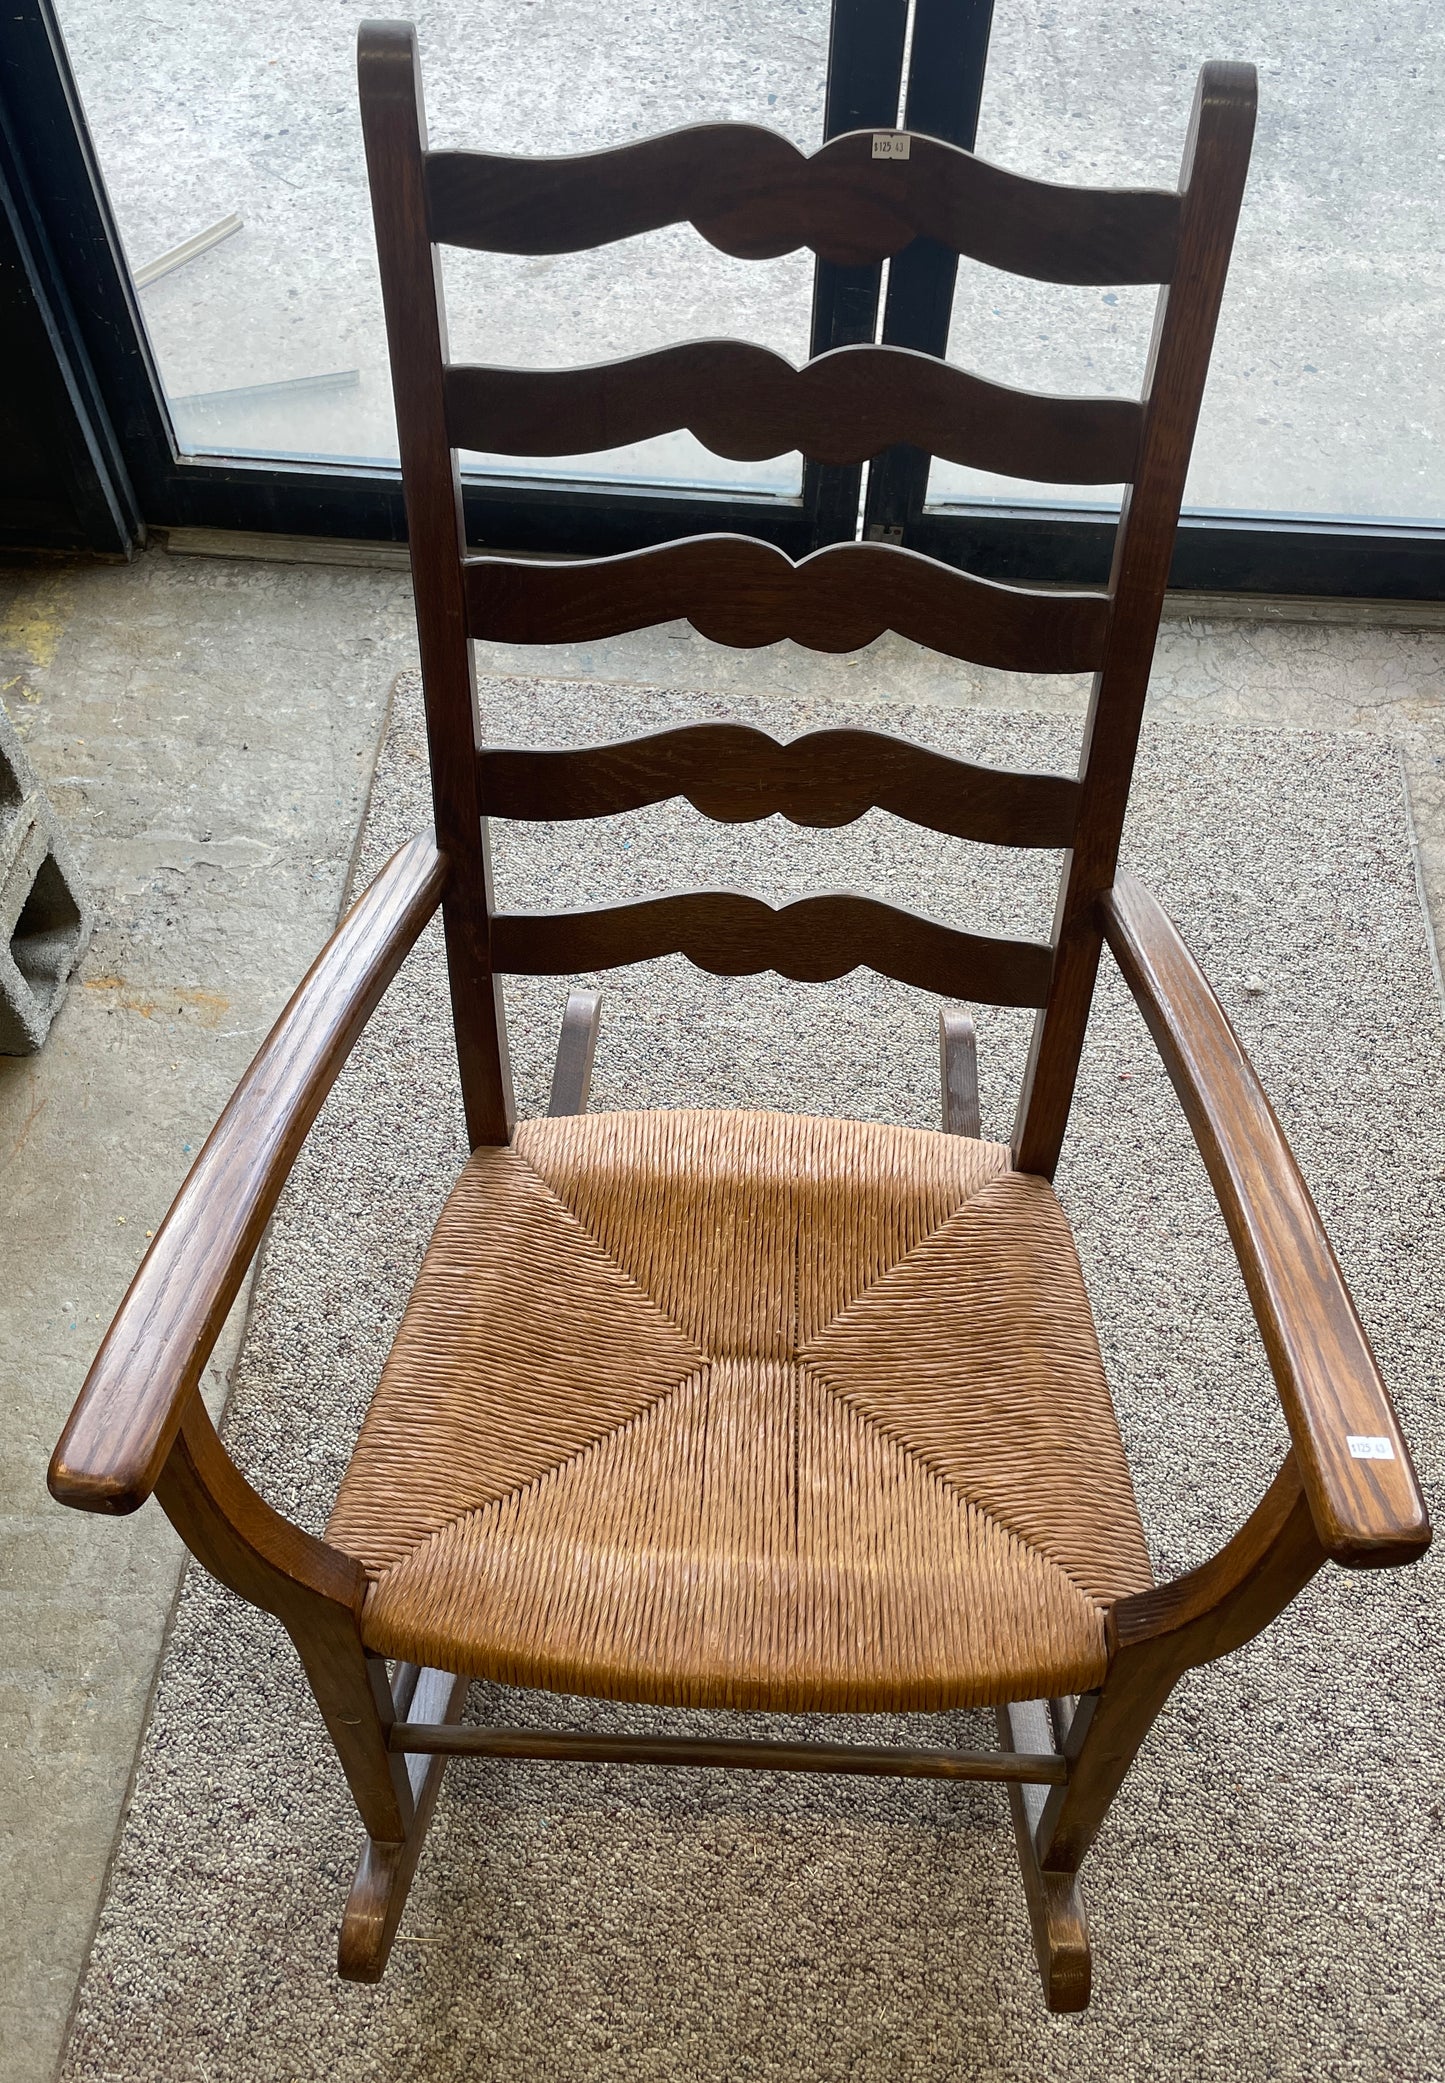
point(813, 940)
point(120, 1432)
point(1155, 1637)
point(1368, 1512)
point(1055, 1906)
point(733, 1753)
point(140, 1422)
point(385, 1871)
point(576, 1047)
point(736, 774)
point(1214, 1609)
point(393, 123)
point(316, 1593)
point(737, 590)
point(1216, 161)
point(958, 1073)
point(746, 403)
point(754, 194)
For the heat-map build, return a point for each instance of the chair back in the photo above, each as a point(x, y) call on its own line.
point(863, 197)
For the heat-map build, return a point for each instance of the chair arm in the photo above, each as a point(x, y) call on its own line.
point(125, 1420)
point(1368, 1512)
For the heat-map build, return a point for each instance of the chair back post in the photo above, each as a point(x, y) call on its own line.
point(1216, 162)
point(394, 125)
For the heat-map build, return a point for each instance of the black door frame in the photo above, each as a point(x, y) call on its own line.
point(124, 424)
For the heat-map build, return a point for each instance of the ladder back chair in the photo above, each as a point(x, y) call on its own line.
point(739, 1409)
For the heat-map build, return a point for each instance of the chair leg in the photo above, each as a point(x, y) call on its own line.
point(958, 1074)
point(351, 1690)
point(1103, 1740)
point(576, 1046)
point(1155, 1637)
point(315, 1593)
point(385, 1872)
point(1055, 1906)
point(1100, 1735)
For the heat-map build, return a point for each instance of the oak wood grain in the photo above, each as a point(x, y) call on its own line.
point(813, 940)
point(393, 124)
point(958, 1073)
point(385, 1871)
point(1157, 1635)
point(1055, 1906)
point(140, 1422)
point(736, 774)
point(739, 591)
point(746, 403)
point(752, 193)
point(1368, 1513)
point(733, 1753)
point(1212, 177)
point(121, 1429)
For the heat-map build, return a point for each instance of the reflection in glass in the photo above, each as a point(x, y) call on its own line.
point(1327, 388)
point(269, 336)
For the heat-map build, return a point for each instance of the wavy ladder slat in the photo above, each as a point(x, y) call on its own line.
point(746, 403)
point(813, 940)
point(742, 592)
point(735, 774)
point(752, 193)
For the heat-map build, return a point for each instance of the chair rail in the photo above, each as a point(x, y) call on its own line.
point(742, 1753)
point(747, 403)
point(739, 591)
point(812, 940)
point(736, 775)
point(753, 194)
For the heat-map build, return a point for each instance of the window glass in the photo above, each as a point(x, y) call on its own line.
point(1327, 390)
point(242, 123)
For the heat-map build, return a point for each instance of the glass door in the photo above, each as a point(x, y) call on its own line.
point(1327, 390)
point(219, 225)
point(199, 176)
point(231, 149)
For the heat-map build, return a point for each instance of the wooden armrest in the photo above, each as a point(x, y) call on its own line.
point(125, 1420)
point(1356, 1469)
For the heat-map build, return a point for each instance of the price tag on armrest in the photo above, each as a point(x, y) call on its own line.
point(1365, 1446)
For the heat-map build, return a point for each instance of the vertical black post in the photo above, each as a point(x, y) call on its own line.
point(865, 79)
point(945, 87)
point(63, 482)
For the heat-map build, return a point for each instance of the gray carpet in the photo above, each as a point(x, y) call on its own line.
point(1267, 1899)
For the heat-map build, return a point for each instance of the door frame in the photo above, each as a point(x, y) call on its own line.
point(125, 428)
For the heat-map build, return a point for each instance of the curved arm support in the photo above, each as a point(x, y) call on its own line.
point(1224, 1603)
point(1354, 1464)
point(1155, 1637)
point(316, 1593)
point(125, 1422)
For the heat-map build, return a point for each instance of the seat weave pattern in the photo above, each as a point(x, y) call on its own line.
point(751, 1410)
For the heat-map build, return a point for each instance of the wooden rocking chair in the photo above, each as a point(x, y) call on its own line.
point(736, 1409)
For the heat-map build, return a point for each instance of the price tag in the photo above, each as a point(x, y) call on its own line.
point(1364, 1446)
point(891, 144)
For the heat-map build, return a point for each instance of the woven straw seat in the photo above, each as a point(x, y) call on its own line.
point(750, 1410)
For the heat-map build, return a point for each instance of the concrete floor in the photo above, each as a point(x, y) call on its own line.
point(1329, 344)
point(206, 727)
point(206, 735)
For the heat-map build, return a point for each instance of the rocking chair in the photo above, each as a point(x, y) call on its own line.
point(740, 1409)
